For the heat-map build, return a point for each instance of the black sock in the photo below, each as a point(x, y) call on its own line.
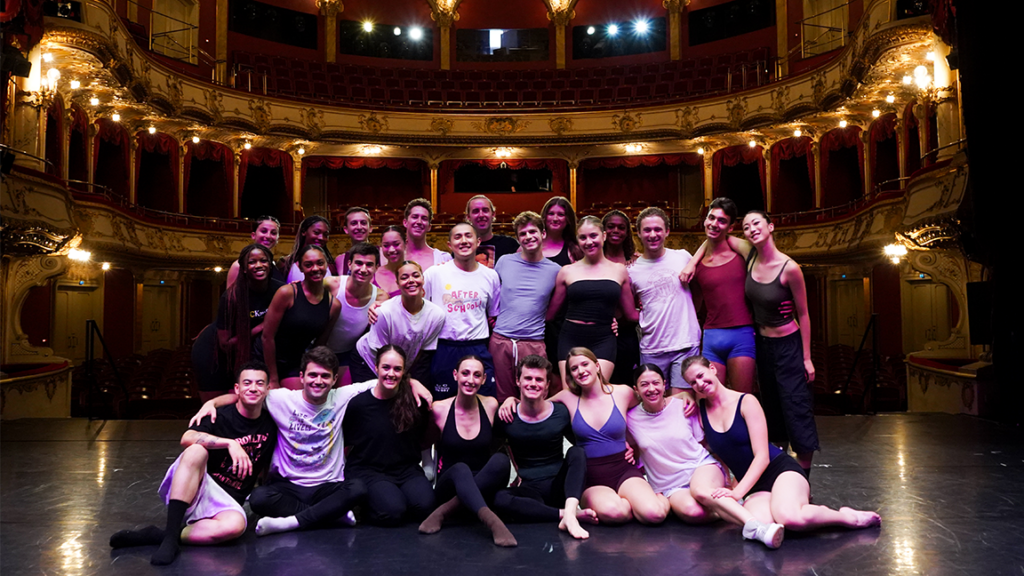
point(168, 550)
point(148, 536)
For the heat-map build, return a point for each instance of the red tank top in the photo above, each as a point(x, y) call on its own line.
point(724, 295)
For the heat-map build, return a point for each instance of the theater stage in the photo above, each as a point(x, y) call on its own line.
point(950, 490)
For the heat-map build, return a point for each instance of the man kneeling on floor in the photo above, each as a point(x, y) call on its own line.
point(208, 483)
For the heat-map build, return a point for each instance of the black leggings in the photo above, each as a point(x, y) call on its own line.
point(390, 500)
point(311, 505)
point(541, 500)
point(474, 490)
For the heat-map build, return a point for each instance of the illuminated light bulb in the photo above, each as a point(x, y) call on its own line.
point(634, 148)
point(700, 151)
point(79, 255)
point(642, 26)
point(752, 143)
point(115, 117)
point(47, 57)
point(94, 101)
point(302, 151)
point(372, 149)
point(842, 123)
point(195, 139)
point(53, 75)
point(920, 71)
point(930, 56)
point(75, 84)
point(398, 31)
point(923, 81)
point(367, 26)
point(105, 266)
point(613, 30)
point(416, 33)
point(797, 133)
point(876, 113)
point(247, 145)
point(890, 98)
point(217, 269)
point(907, 79)
point(152, 129)
point(591, 30)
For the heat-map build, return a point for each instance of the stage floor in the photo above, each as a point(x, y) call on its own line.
point(949, 488)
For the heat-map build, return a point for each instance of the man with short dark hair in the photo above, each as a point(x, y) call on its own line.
point(527, 282)
point(358, 227)
point(480, 214)
point(419, 214)
point(208, 483)
point(357, 295)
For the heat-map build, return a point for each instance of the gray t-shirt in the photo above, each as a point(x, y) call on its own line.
point(526, 289)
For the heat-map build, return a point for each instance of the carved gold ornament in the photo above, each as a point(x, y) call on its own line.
point(627, 122)
point(441, 125)
point(372, 123)
point(560, 125)
point(501, 125)
point(261, 114)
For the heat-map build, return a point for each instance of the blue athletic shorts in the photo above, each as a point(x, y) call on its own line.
point(720, 344)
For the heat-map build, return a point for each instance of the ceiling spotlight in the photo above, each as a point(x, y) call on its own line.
point(700, 151)
point(79, 255)
point(842, 123)
point(398, 31)
point(217, 269)
point(890, 98)
point(367, 26)
point(876, 113)
point(47, 57)
point(152, 129)
point(94, 101)
point(642, 26)
point(752, 143)
point(115, 117)
point(797, 133)
point(613, 29)
point(195, 139)
point(105, 266)
point(907, 79)
point(416, 33)
point(247, 145)
point(591, 30)
point(75, 84)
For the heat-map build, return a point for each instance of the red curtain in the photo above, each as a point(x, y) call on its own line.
point(376, 163)
point(734, 155)
point(55, 137)
point(793, 148)
point(209, 150)
point(559, 171)
point(841, 138)
point(690, 158)
point(114, 134)
point(881, 129)
point(267, 157)
point(911, 140)
point(158, 143)
point(78, 151)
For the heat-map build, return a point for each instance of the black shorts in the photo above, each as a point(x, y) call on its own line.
point(599, 338)
point(781, 463)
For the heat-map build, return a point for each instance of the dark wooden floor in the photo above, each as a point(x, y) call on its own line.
point(949, 488)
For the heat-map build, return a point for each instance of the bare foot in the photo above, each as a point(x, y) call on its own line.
point(572, 526)
point(586, 515)
point(862, 518)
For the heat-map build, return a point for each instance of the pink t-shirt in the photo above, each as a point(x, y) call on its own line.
point(668, 444)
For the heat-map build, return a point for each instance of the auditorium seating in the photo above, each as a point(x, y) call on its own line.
point(337, 83)
point(159, 385)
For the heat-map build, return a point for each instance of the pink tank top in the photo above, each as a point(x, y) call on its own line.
point(724, 295)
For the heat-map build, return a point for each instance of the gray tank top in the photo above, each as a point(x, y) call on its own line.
point(766, 298)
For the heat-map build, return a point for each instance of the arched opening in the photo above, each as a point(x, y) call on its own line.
point(332, 185)
point(738, 173)
point(673, 181)
point(911, 141)
point(793, 175)
point(78, 151)
point(156, 172)
point(54, 138)
point(208, 179)
point(453, 194)
point(265, 179)
point(842, 169)
point(885, 161)
point(111, 151)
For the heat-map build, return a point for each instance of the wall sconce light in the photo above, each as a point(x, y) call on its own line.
point(895, 252)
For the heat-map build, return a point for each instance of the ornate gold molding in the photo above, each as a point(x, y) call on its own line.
point(560, 125)
point(501, 125)
point(627, 121)
point(372, 123)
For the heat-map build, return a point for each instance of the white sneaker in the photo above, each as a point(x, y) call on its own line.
point(770, 535)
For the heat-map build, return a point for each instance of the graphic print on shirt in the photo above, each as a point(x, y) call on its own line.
point(253, 446)
point(311, 439)
point(461, 300)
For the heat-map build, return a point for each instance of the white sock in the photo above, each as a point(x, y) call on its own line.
point(349, 518)
point(269, 525)
point(750, 529)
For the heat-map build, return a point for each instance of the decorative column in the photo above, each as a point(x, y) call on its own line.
point(433, 184)
point(782, 35)
point(296, 181)
point(560, 12)
point(901, 154)
point(766, 153)
point(90, 154)
point(573, 166)
point(182, 185)
point(816, 150)
point(675, 27)
point(445, 13)
point(65, 140)
point(221, 50)
point(330, 9)
point(133, 146)
point(236, 204)
point(869, 187)
point(921, 113)
point(709, 176)
point(947, 109)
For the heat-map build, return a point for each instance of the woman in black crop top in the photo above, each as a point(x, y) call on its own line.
point(468, 471)
point(595, 289)
point(299, 315)
point(774, 492)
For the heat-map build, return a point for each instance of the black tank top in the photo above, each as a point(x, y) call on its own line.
point(453, 448)
point(301, 325)
point(593, 300)
point(765, 298)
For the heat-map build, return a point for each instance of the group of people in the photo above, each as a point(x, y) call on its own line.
point(457, 362)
